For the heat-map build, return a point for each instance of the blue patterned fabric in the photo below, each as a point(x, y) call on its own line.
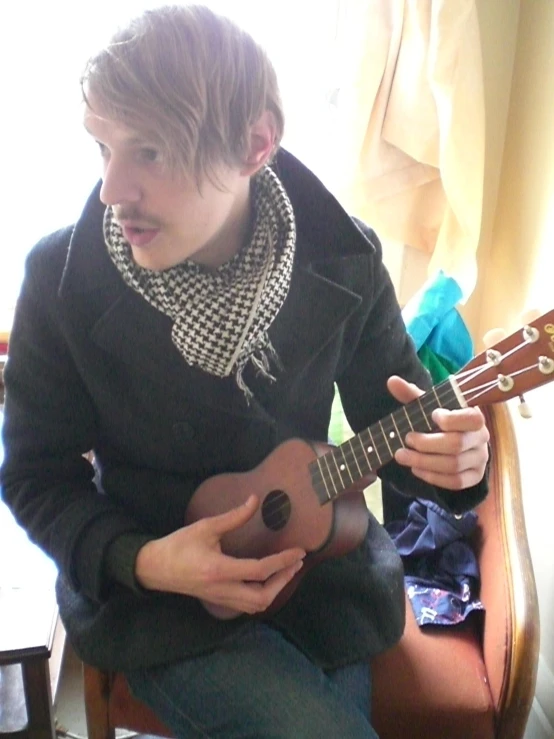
point(441, 570)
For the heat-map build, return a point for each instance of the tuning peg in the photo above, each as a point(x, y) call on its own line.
point(524, 409)
point(528, 316)
point(493, 336)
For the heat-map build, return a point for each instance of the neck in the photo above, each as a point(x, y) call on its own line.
point(231, 237)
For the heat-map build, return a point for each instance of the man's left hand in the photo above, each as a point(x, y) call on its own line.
point(455, 457)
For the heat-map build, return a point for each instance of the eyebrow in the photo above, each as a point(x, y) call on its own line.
point(134, 140)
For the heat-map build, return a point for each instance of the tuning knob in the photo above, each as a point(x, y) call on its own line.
point(529, 316)
point(524, 410)
point(493, 336)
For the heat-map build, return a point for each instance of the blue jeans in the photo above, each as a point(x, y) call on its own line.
point(257, 686)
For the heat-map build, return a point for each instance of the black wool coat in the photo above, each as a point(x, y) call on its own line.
point(92, 366)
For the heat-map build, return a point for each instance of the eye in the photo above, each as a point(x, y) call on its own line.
point(149, 154)
point(104, 151)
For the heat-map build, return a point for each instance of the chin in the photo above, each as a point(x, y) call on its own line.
point(157, 259)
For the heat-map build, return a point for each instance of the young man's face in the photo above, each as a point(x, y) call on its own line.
point(167, 218)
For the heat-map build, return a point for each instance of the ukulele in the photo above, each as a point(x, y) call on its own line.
point(311, 494)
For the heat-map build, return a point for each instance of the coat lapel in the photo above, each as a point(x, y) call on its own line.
point(314, 310)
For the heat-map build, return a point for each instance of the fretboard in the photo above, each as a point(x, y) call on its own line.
point(338, 470)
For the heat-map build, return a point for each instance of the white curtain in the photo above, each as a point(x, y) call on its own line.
point(408, 143)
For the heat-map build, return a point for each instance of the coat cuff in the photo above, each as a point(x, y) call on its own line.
point(120, 559)
point(453, 501)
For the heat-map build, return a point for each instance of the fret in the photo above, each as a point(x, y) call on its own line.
point(398, 434)
point(392, 433)
point(415, 411)
point(424, 414)
point(449, 398)
point(367, 449)
point(408, 417)
point(351, 461)
point(325, 459)
point(341, 450)
point(398, 424)
point(355, 457)
point(374, 446)
point(323, 478)
point(385, 438)
point(336, 465)
point(339, 469)
point(361, 443)
point(437, 397)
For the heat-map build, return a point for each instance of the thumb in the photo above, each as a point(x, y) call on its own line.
point(236, 517)
point(403, 391)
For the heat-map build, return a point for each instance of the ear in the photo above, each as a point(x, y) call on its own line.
point(262, 143)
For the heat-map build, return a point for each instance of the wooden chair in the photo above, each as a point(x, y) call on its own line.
point(477, 680)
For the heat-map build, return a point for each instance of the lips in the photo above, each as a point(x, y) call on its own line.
point(137, 236)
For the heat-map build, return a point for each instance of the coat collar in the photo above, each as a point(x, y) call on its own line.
point(124, 324)
point(318, 217)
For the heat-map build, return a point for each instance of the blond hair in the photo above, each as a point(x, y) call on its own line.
point(190, 80)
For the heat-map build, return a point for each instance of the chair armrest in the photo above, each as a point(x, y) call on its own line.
point(508, 591)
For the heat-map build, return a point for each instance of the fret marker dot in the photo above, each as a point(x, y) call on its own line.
point(392, 434)
point(370, 449)
point(342, 468)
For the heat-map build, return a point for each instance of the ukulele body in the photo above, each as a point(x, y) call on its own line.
point(290, 513)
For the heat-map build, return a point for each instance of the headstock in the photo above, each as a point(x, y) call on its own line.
point(518, 363)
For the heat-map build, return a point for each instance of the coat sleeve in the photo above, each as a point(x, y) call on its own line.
point(49, 425)
point(382, 347)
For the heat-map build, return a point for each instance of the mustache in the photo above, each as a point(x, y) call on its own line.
point(135, 214)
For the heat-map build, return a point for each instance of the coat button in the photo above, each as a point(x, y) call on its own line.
point(183, 431)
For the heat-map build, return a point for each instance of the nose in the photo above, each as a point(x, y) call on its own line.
point(119, 184)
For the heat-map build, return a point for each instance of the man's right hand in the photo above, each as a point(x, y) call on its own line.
point(190, 561)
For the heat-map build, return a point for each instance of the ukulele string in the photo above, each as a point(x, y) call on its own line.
point(427, 402)
point(493, 384)
point(514, 350)
point(463, 378)
point(334, 482)
point(477, 392)
point(472, 373)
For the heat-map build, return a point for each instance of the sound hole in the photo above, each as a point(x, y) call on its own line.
point(276, 510)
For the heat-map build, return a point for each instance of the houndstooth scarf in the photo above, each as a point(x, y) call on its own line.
point(221, 317)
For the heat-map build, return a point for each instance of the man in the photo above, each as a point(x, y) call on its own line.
point(199, 314)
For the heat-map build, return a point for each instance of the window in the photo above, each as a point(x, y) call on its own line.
point(49, 163)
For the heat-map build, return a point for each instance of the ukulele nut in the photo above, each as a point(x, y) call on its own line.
point(546, 365)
